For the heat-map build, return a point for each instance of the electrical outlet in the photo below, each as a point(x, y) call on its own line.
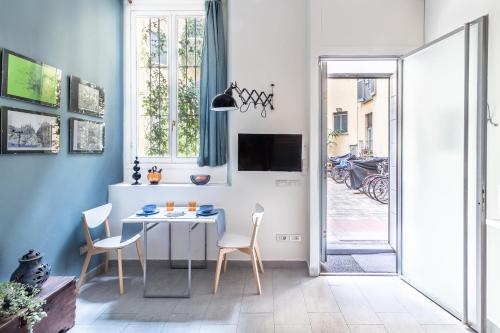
point(281, 237)
point(294, 238)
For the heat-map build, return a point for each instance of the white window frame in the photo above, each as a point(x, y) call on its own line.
point(344, 120)
point(179, 167)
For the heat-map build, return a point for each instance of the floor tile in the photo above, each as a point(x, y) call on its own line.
point(380, 295)
point(289, 307)
point(293, 329)
point(318, 296)
point(97, 328)
point(253, 302)
point(328, 322)
point(218, 329)
point(143, 328)
point(367, 329)
point(353, 305)
point(291, 302)
point(223, 310)
point(400, 323)
point(256, 323)
point(446, 329)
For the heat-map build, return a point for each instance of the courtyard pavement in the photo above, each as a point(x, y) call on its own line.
point(353, 216)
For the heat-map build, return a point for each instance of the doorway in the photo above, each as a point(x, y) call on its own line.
point(357, 147)
point(438, 179)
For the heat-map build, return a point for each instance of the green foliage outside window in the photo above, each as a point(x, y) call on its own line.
point(155, 101)
point(189, 57)
point(153, 50)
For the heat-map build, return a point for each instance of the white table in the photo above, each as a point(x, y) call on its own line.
point(188, 218)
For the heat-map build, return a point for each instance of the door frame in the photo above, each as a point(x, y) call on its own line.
point(323, 156)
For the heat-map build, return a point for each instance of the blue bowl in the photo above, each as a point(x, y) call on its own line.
point(206, 208)
point(149, 208)
point(200, 179)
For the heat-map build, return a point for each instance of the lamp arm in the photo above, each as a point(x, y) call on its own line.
point(254, 97)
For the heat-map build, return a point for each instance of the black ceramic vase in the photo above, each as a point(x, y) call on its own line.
point(32, 271)
point(136, 175)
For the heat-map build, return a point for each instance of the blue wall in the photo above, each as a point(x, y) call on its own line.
point(42, 197)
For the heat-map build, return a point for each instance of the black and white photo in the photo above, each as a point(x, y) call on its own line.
point(86, 97)
point(26, 131)
point(86, 136)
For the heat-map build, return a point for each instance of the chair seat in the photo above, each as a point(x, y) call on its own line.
point(115, 242)
point(233, 241)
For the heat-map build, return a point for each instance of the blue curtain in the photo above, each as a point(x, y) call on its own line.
point(213, 125)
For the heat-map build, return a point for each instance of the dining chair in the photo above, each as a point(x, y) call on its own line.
point(93, 218)
point(247, 244)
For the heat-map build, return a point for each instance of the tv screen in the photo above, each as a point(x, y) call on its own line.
point(269, 152)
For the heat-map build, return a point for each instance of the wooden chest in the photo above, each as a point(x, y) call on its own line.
point(59, 293)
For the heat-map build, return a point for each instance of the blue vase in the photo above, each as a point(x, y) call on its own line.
point(32, 271)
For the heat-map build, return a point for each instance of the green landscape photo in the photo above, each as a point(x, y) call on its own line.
point(33, 81)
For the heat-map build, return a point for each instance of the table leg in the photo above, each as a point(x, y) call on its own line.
point(158, 295)
point(145, 251)
point(181, 266)
point(189, 261)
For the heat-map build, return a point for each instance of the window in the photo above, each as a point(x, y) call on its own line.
point(340, 122)
point(366, 90)
point(166, 63)
point(369, 133)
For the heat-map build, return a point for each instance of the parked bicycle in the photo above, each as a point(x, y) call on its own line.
point(376, 186)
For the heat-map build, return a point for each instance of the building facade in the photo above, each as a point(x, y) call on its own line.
point(358, 117)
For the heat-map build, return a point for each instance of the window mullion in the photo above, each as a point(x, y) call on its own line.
point(172, 64)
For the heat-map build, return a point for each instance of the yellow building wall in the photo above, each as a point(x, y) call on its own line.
point(342, 93)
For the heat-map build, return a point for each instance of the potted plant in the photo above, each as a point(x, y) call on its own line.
point(16, 300)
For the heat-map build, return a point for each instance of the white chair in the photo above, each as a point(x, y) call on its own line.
point(234, 242)
point(93, 218)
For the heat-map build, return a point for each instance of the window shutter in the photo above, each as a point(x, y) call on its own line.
point(372, 87)
point(361, 90)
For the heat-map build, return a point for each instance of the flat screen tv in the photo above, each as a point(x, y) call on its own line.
point(269, 152)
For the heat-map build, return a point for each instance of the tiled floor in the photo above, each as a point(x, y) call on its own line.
point(291, 302)
point(352, 216)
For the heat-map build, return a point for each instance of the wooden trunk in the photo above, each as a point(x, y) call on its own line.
point(59, 293)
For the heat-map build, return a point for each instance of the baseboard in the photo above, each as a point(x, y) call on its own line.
point(211, 263)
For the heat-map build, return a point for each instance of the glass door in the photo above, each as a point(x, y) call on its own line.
point(441, 179)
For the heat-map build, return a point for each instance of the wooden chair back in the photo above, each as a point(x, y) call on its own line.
point(93, 218)
point(257, 217)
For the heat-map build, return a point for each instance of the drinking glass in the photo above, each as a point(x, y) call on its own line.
point(170, 206)
point(192, 206)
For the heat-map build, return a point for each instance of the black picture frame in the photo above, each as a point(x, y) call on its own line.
point(30, 128)
point(85, 97)
point(79, 137)
point(45, 80)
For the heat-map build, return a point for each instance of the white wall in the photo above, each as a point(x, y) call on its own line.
point(266, 44)
point(442, 16)
point(359, 28)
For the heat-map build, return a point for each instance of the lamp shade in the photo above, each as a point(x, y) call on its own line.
point(224, 102)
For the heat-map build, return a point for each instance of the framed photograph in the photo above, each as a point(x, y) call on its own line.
point(24, 131)
point(85, 97)
point(86, 136)
point(28, 80)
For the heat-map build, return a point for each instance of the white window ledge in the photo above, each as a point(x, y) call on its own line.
point(145, 184)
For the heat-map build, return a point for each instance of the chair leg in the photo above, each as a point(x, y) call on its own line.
point(217, 270)
point(256, 271)
point(120, 270)
point(106, 262)
point(259, 257)
point(84, 270)
point(225, 263)
point(139, 253)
